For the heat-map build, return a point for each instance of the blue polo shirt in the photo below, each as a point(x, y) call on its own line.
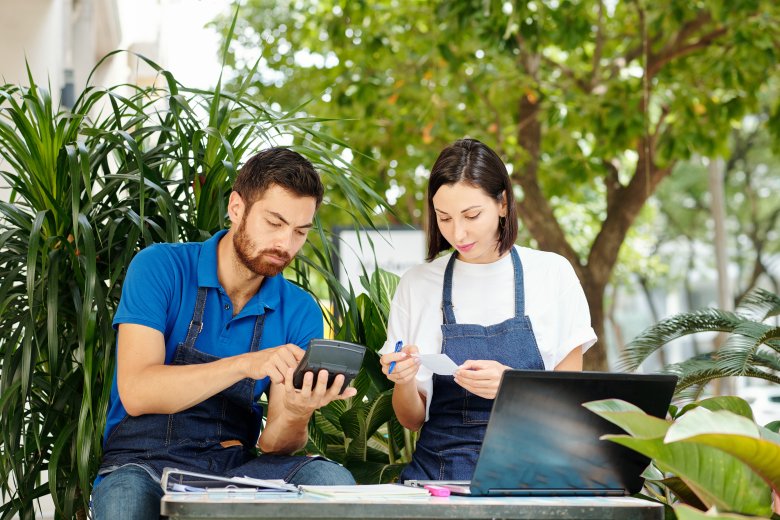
point(160, 292)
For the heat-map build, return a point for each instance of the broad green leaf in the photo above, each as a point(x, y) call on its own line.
point(684, 512)
point(701, 420)
point(731, 403)
point(735, 435)
point(629, 417)
point(717, 478)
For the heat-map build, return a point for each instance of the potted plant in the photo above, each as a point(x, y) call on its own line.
point(710, 456)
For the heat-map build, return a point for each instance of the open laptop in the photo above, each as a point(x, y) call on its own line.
point(541, 441)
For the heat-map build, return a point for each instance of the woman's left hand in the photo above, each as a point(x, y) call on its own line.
point(480, 377)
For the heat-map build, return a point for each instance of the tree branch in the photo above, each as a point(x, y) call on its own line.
point(657, 61)
point(597, 52)
point(621, 214)
point(611, 180)
point(534, 208)
point(496, 114)
point(585, 86)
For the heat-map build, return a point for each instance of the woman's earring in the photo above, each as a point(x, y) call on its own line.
point(501, 224)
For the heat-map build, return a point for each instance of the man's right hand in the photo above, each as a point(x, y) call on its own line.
point(273, 362)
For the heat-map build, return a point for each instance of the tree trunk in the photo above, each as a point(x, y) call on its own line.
point(596, 357)
point(622, 209)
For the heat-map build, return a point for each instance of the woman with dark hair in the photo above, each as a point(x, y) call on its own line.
point(489, 305)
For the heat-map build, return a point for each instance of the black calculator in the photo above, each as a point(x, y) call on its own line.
point(337, 357)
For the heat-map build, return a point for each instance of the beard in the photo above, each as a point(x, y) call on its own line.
point(257, 263)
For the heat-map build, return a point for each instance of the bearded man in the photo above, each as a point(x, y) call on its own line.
point(204, 328)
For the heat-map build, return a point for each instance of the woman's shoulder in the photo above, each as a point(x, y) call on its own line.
point(425, 276)
point(426, 270)
point(547, 268)
point(548, 259)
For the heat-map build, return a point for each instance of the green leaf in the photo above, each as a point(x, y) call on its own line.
point(684, 512)
point(729, 403)
point(717, 478)
point(735, 435)
point(629, 417)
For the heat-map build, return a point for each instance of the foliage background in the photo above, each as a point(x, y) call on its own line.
point(591, 103)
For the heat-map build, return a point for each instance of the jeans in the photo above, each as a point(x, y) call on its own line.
point(128, 492)
point(131, 493)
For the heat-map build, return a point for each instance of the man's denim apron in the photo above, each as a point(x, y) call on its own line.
point(216, 436)
point(450, 440)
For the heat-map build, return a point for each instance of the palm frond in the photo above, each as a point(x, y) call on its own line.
point(759, 304)
point(658, 335)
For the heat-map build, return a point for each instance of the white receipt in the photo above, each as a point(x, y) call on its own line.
point(438, 363)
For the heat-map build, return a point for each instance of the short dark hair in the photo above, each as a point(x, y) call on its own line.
point(278, 166)
point(472, 162)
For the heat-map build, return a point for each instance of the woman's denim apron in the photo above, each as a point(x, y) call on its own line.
point(450, 440)
point(216, 436)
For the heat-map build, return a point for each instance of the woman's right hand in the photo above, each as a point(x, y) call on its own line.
point(406, 366)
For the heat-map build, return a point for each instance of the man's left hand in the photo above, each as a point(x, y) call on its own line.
point(480, 377)
point(303, 402)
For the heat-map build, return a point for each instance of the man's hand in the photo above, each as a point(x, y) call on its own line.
point(303, 402)
point(405, 368)
point(480, 377)
point(273, 362)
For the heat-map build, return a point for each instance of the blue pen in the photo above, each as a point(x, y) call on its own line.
point(398, 346)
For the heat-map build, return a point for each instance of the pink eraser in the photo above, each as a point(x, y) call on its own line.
point(437, 491)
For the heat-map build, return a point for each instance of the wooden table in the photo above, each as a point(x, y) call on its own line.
point(186, 506)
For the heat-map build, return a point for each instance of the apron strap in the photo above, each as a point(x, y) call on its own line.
point(446, 297)
point(519, 284)
point(196, 323)
point(257, 335)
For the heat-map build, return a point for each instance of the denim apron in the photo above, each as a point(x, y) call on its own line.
point(216, 436)
point(450, 440)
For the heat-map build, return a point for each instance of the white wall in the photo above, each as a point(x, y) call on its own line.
point(55, 36)
point(32, 29)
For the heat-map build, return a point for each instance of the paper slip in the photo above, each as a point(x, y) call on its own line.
point(438, 363)
point(367, 491)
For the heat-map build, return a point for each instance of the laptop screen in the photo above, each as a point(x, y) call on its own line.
point(541, 441)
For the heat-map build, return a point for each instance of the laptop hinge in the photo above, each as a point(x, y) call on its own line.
point(557, 492)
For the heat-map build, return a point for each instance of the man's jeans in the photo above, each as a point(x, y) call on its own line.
point(131, 493)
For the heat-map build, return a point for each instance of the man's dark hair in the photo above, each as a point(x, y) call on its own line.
point(278, 166)
point(472, 162)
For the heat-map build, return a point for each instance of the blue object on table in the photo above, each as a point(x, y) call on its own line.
point(398, 346)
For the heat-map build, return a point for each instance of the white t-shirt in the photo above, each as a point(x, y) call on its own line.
point(484, 294)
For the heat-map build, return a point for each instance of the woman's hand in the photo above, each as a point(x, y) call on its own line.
point(405, 368)
point(480, 377)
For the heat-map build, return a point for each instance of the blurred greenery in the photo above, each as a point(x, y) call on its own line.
point(675, 262)
point(752, 348)
point(592, 104)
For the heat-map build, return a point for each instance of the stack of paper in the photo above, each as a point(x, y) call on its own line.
point(368, 492)
point(181, 481)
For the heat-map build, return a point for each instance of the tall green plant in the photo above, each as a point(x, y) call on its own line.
point(752, 348)
point(126, 167)
point(363, 433)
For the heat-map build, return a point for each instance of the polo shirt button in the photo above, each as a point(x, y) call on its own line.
point(227, 307)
